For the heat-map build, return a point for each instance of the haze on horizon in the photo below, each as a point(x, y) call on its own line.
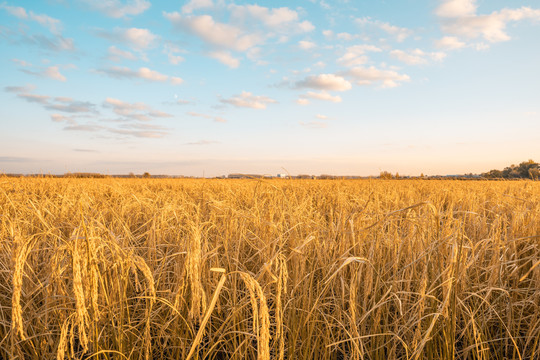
point(313, 87)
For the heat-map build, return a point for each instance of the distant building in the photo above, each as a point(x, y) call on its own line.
point(282, 176)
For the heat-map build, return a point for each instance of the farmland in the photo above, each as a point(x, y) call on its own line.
point(269, 269)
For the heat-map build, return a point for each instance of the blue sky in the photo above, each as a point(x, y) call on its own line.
point(308, 87)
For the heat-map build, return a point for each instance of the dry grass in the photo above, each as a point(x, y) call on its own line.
point(248, 269)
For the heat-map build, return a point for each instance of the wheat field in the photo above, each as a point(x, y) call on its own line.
point(269, 269)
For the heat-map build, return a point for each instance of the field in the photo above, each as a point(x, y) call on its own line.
point(273, 269)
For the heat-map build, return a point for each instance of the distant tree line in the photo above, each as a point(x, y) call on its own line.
point(81, 175)
point(525, 170)
point(386, 175)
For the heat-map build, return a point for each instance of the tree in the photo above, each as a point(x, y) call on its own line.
point(386, 175)
point(525, 167)
point(146, 175)
point(493, 174)
point(525, 170)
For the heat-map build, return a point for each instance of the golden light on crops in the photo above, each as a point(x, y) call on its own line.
point(269, 269)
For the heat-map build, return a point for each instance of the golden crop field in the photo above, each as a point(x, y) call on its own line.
point(269, 269)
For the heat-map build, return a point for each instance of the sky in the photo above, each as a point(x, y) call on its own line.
point(213, 87)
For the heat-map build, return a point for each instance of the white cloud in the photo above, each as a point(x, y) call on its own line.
point(323, 95)
point(328, 34)
point(127, 129)
point(21, 63)
point(248, 25)
point(122, 108)
point(205, 116)
point(322, 117)
point(151, 75)
point(34, 98)
point(413, 58)
point(58, 117)
point(135, 111)
point(84, 127)
point(225, 58)
point(20, 89)
point(176, 80)
point(62, 104)
point(52, 72)
point(325, 82)
point(248, 100)
point(215, 33)
point(459, 18)
point(255, 54)
point(159, 114)
point(116, 55)
point(54, 25)
point(178, 101)
point(279, 19)
point(306, 26)
point(137, 39)
point(372, 75)
point(325, 5)
point(400, 33)
point(480, 46)
point(193, 5)
point(16, 11)
point(456, 8)
point(416, 56)
point(271, 17)
point(119, 9)
point(345, 36)
point(437, 56)
point(64, 119)
point(63, 99)
point(306, 45)
point(355, 55)
point(283, 39)
point(120, 72)
point(72, 107)
point(175, 59)
point(449, 43)
point(171, 51)
point(56, 43)
point(83, 109)
point(196, 114)
point(148, 134)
